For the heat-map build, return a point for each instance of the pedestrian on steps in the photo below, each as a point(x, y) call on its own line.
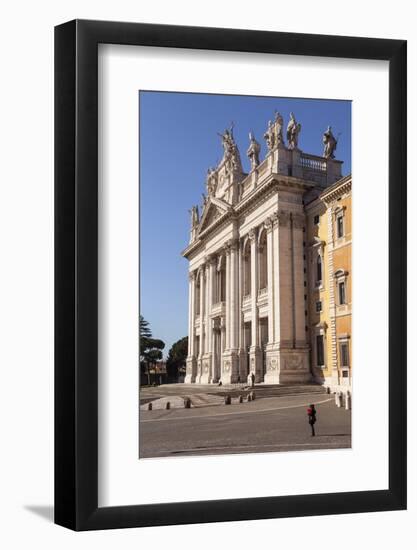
point(311, 413)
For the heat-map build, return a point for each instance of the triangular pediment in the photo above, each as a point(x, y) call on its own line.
point(213, 210)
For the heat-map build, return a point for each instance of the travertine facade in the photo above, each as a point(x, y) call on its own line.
point(248, 278)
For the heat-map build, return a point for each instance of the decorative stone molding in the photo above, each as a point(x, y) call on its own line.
point(192, 275)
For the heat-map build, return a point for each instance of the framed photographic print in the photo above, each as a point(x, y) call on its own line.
point(230, 275)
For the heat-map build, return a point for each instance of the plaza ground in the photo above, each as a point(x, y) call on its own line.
point(275, 421)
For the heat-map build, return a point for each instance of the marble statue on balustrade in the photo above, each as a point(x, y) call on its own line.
point(269, 136)
point(231, 156)
point(279, 124)
point(293, 130)
point(330, 143)
point(253, 151)
point(194, 216)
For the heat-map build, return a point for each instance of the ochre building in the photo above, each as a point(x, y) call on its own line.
point(269, 266)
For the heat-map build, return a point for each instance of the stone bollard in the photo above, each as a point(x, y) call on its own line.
point(338, 399)
point(150, 406)
point(328, 390)
point(167, 405)
point(249, 397)
point(252, 396)
point(348, 401)
point(187, 403)
point(240, 398)
point(227, 400)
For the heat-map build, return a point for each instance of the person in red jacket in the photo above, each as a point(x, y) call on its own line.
point(311, 413)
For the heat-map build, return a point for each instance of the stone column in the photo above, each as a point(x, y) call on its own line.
point(234, 298)
point(202, 311)
point(230, 370)
point(206, 368)
point(270, 269)
point(191, 363)
point(207, 309)
point(274, 264)
point(287, 355)
point(255, 352)
point(228, 316)
point(202, 292)
point(241, 339)
point(300, 320)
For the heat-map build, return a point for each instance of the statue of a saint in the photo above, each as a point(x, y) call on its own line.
point(279, 124)
point(269, 136)
point(228, 141)
point(253, 151)
point(194, 215)
point(330, 143)
point(293, 129)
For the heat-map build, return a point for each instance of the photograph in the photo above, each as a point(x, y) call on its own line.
point(245, 328)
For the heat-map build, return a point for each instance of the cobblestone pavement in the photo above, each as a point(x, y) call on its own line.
point(271, 424)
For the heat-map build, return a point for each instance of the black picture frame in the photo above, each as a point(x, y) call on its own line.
point(76, 272)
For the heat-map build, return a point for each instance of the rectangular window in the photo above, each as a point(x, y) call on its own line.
point(339, 223)
point(318, 306)
point(320, 350)
point(342, 296)
point(344, 354)
point(316, 220)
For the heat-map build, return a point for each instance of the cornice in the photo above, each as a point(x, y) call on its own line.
point(336, 190)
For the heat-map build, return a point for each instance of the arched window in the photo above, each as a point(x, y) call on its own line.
point(319, 271)
point(197, 294)
point(263, 261)
point(247, 269)
point(220, 285)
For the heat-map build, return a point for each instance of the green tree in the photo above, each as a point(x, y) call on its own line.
point(150, 349)
point(177, 356)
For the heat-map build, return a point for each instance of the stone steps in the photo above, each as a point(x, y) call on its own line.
point(284, 390)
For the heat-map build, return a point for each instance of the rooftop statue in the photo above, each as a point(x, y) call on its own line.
point(194, 216)
point(269, 136)
point(279, 124)
point(253, 151)
point(330, 143)
point(293, 129)
point(228, 141)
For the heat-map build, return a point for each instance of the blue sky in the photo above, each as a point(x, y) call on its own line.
point(178, 142)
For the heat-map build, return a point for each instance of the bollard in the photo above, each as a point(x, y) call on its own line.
point(338, 399)
point(150, 406)
point(348, 401)
point(240, 398)
point(187, 403)
point(227, 400)
point(328, 390)
point(249, 397)
point(252, 396)
point(167, 405)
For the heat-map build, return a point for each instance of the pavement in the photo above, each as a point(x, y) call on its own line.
point(269, 424)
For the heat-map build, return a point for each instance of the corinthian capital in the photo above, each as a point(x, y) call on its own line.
point(252, 235)
point(268, 224)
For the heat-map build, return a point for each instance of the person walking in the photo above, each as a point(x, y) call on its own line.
point(311, 413)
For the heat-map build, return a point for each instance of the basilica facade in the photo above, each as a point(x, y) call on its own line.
point(254, 255)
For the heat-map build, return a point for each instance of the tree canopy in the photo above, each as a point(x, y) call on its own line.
point(150, 349)
point(177, 356)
